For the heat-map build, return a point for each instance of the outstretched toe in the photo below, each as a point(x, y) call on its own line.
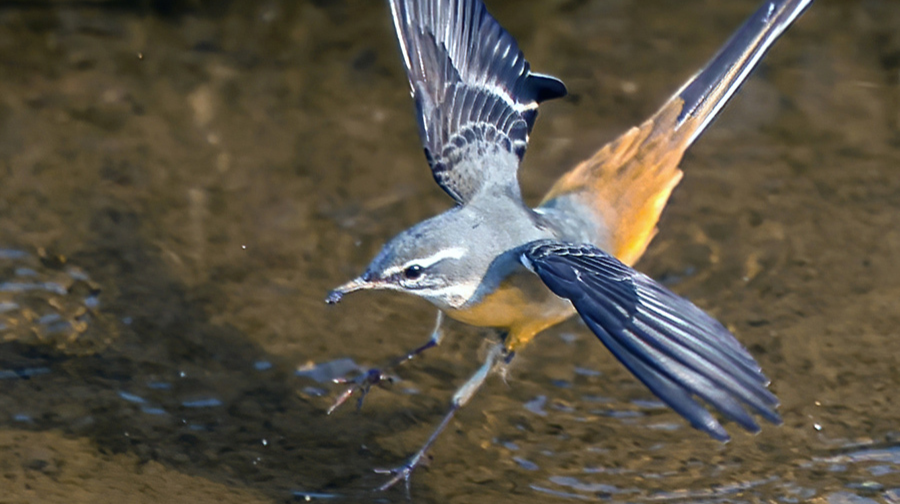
point(399, 473)
point(362, 383)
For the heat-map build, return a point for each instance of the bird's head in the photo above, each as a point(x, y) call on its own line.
point(428, 260)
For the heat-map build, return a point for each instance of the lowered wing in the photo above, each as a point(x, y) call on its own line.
point(678, 351)
point(476, 99)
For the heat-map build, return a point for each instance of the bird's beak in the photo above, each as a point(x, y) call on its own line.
point(359, 283)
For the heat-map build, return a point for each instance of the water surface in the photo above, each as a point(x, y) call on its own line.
point(182, 182)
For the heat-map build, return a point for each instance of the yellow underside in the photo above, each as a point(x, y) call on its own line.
point(522, 306)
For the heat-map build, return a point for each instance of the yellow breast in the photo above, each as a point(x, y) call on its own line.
point(522, 306)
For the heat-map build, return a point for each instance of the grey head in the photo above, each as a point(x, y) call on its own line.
point(429, 260)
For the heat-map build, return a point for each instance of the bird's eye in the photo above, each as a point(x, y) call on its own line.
point(412, 272)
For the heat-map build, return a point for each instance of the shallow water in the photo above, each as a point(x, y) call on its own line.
point(182, 182)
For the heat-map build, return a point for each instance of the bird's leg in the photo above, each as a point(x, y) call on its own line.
point(380, 376)
point(496, 357)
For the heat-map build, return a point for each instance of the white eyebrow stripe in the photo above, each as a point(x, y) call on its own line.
point(448, 253)
point(425, 262)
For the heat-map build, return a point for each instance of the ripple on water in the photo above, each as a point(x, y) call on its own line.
point(586, 487)
point(848, 498)
point(132, 397)
point(525, 464)
point(204, 402)
point(881, 470)
point(154, 410)
point(326, 372)
point(8, 374)
point(51, 303)
point(311, 496)
point(536, 405)
point(315, 391)
point(592, 373)
point(863, 467)
point(12, 254)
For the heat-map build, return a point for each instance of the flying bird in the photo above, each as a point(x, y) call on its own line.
point(492, 261)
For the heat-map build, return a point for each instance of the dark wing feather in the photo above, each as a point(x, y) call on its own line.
point(476, 99)
point(672, 346)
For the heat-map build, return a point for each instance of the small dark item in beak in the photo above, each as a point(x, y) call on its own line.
point(360, 283)
point(334, 297)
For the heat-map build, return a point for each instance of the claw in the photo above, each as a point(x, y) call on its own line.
point(399, 473)
point(404, 472)
point(362, 383)
point(460, 398)
point(341, 399)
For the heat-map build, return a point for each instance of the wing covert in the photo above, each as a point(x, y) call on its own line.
point(673, 347)
point(476, 98)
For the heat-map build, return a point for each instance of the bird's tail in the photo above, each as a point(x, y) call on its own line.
point(627, 183)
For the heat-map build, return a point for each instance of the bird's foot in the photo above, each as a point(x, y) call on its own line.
point(403, 473)
point(362, 383)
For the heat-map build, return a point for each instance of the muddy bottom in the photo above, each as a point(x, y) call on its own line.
point(182, 182)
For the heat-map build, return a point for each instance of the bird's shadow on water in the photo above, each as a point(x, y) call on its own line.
point(180, 390)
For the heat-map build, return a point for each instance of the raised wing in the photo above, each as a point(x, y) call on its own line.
point(672, 346)
point(476, 99)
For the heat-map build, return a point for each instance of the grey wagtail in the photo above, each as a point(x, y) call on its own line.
point(491, 261)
